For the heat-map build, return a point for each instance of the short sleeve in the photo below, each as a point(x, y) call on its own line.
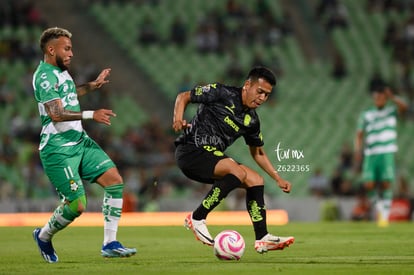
point(254, 137)
point(46, 86)
point(361, 122)
point(205, 94)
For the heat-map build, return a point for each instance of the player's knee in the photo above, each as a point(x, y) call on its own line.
point(256, 179)
point(240, 174)
point(253, 179)
point(114, 178)
point(78, 205)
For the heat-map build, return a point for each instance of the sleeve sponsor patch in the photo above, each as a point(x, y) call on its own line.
point(199, 90)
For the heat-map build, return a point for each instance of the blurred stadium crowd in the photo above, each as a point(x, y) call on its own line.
point(144, 153)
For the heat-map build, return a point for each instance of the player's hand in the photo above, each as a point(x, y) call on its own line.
point(284, 185)
point(179, 125)
point(101, 79)
point(103, 116)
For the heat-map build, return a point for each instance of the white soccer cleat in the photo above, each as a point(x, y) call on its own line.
point(270, 242)
point(199, 229)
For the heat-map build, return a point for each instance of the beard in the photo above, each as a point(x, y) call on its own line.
point(60, 64)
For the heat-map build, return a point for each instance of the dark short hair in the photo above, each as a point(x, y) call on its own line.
point(52, 33)
point(262, 72)
point(379, 89)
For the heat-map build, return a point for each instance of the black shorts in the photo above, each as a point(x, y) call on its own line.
point(197, 163)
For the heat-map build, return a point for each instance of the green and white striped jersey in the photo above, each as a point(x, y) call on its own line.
point(51, 83)
point(380, 130)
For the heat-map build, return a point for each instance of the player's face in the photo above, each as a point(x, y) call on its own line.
point(255, 93)
point(380, 99)
point(61, 49)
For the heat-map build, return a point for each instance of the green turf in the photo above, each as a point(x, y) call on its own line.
point(320, 248)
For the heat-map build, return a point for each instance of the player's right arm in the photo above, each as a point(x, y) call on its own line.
point(181, 102)
point(358, 147)
point(57, 113)
point(359, 142)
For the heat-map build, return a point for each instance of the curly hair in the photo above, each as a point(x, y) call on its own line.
point(52, 33)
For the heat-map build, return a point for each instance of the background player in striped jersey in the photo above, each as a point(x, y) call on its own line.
point(375, 145)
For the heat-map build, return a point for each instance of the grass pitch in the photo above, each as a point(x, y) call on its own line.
point(319, 248)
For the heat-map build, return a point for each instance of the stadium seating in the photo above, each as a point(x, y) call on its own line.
point(313, 112)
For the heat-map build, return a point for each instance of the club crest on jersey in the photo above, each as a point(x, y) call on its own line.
point(247, 119)
point(73, 185)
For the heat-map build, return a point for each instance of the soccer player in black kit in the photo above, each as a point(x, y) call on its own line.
point(224, 114)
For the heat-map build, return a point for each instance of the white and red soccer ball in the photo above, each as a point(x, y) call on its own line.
point(229, 245)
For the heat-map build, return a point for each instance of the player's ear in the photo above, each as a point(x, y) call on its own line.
point(50, 50)
point(247, 84)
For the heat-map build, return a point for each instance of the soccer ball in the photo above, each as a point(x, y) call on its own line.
point(229, 245)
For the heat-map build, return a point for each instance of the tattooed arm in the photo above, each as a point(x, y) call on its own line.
point(57, 113)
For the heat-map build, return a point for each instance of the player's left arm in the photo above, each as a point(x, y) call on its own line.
point(260, 157)
point(83, 89)
point(402, 106)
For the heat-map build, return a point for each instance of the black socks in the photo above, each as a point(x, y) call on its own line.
point(220, 189)
point(256, 207)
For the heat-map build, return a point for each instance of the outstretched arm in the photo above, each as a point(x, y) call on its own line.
point(260, 157)
point(83, 89)
point(181, 103)
point(57, 113)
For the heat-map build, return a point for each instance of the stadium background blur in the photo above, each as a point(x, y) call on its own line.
point(325, 53)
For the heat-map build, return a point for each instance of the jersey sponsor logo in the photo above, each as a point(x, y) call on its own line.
point(65, 87)
point(231, 123)
point(71, 99)
point(62, 76)
point(45, 85)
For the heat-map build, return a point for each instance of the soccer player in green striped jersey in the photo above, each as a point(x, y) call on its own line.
point(375, 145)
point(67, 153)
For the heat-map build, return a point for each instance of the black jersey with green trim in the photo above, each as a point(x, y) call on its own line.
point(221, 118)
